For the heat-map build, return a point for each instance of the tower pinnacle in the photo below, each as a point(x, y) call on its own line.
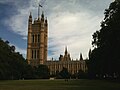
point(81, 57)
point(30, 17)
point(42, 15)
point(66, 50)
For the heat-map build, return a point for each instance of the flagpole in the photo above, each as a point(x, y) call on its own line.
point(39, 10)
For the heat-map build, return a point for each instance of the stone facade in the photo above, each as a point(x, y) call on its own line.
point(37, 49)
point(37, 41)
point(65, 61)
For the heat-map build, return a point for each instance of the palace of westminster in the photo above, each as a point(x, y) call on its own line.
point(37, 49)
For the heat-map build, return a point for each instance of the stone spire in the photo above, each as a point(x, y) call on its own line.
point(46, 22)
point(30, 17)
point(66, 52)
point(42, 16)
point(81, 57)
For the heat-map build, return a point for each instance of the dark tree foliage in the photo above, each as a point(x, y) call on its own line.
point(64, 74)
point(42, 72)
point(14, 66)
point(105, 57)
point(81, 74)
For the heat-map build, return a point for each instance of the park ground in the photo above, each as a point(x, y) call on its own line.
point(59, 85)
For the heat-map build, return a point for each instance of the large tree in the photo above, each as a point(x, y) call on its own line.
point(105, 58)
point(14, 66)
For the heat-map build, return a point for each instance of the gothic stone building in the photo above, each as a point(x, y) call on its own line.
point(65, 61)
point(37, 49)
point(37, 41)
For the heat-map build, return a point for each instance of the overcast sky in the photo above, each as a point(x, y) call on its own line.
point(71, 23)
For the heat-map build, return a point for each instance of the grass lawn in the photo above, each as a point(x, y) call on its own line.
point(58, 85)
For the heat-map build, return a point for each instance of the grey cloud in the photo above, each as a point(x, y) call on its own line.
point(95, 7)
point(56, 10)
point(19, 3)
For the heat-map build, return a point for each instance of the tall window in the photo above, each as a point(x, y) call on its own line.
point(35, 38)
point(32, 54)
point(38, 54)
point(38, 37)
point(32, 38)
point(35, 54)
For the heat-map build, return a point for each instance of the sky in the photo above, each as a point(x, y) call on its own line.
point(71, 24)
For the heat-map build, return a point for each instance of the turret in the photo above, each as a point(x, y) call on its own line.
point(67, 55)
point(46, 22)
point(81, 57)
point(29, 38)
point(46, 25)
point(61, 58)
point(66, 52)
point(42, 16)
point(30, 22)
point(46, 37)
point(30, 17)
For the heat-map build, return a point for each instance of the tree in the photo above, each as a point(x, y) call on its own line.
point(12, 64)
point(12, 48)
point(105, 58)
point(42, 72)
point(64, 74)
point(81, 74)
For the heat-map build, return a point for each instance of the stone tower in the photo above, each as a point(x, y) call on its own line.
point(37, 40)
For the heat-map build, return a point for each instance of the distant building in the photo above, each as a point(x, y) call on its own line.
point(65, 61)
point(37, 46)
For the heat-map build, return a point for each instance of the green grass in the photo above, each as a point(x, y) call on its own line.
point(58, 85)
